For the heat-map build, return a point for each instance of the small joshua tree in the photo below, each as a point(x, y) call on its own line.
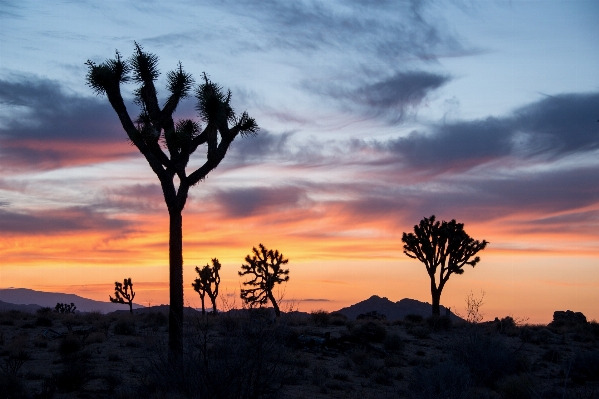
point(208, 278)
point(123, 293)
point(65, 308)
point(265, 268)
point(443, 244)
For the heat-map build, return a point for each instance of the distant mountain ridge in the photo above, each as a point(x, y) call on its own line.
point(25, 296)
point(392, 310)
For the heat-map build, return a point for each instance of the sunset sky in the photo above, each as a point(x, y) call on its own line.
point(373, 115)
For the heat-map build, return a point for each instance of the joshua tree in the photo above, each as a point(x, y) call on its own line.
point(265, 267)
point(203, 285)
point(155, 131)
point(123, 293)
point(65, 308)
point(443, 244)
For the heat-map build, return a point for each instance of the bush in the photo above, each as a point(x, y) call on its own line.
point(488, 358)
point(250, 361)
point(447, 380)
point(370, 331)
point(124, 327)
point(73, 376)
point(515, 387)
point(320, 317)
point(393, 342)
point(338, 319)
point(12, 387)
point(43, 321)
point(69, 345)
point(585, 367)
point(413, 318)
point(438, 323)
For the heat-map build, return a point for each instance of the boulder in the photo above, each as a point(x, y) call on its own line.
point(567, 318)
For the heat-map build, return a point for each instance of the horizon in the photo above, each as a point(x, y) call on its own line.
point(372, 117)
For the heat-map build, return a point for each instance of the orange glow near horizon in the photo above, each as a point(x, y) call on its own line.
point(330, 268)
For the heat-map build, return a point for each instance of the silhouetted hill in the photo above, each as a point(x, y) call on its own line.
point(393, 310)
point(25, 296)
point(5, 306)
point(187, 311)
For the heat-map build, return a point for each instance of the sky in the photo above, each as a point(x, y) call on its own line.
point(372, 115)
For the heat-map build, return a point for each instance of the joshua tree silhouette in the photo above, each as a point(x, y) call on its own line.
point(208, 277)
point(443, 244)
point(123, 293)
point(265, 267)
point(155, 131)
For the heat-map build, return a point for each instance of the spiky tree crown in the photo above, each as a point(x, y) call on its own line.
point(266, 270)
point(444, 244)
point(154, 129)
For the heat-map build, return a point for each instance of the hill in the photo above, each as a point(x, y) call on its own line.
point(393, 310)
point(25, 296)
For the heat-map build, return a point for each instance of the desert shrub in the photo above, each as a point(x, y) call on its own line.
point(585, 367)
point(320, 317)
point(370, 331)
point(438, 323)
point(43, 321)
point(393, 342)
point(124, 326)
point(247, 362)
point(114, 357)
point(516, 387)
point(69, 345)
point(383, 377)
point(393, 360)
point(12, 386)
point(73, 376)
point(155, 319)
point(112, 380)
point(341, 376)
point(45, 311)
point(448, 380)
point(418, 331)
point(320, 375)
point(338, 319)
point(96, 338)
point(374, 315)
point(366, 364)
point(413, 318)
point(40, 342)
point(552, 356)
point(487, 357)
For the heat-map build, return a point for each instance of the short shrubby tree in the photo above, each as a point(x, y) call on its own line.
point(65, 308)
point(265, 271)
point(167, 144)
point(207, 283)
point(123, 293)
point(444, 247)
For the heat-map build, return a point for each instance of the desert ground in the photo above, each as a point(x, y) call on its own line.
point(248, 354)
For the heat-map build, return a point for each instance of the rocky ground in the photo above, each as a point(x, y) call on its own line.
point(247, 355)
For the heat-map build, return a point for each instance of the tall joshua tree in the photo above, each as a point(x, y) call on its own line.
point(444, 247)
point(207, 283)
point(123, 293)
point(265, 269)
point(167, 145)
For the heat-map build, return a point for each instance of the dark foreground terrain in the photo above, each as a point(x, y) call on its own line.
point(247, 355)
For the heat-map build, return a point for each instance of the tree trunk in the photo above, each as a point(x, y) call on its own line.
point(274, 305)
point(175, 314)
point(213, 305)
point(203, 306)
point(436, 294)
point(131, 307)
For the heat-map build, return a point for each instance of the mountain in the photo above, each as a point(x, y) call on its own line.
point(393, 310)
point(25, 296)
point(5, 307)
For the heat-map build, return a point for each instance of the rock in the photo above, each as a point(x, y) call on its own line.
point(567, 318)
